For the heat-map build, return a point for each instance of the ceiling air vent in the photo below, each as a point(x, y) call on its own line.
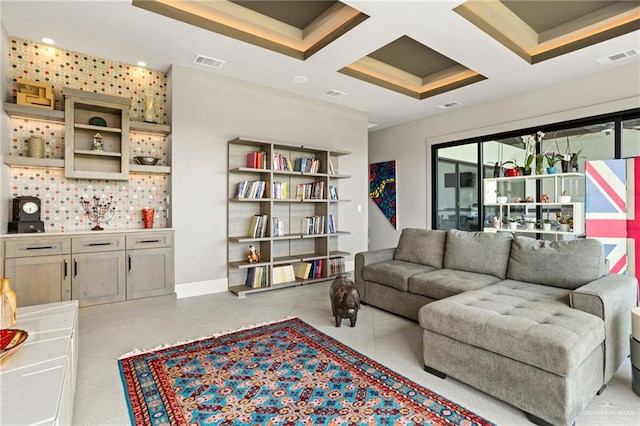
point(206, 61)
point(618, 56)
point(449, 105)
point(335, 94)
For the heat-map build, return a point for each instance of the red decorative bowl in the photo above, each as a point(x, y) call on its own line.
point(10, 341)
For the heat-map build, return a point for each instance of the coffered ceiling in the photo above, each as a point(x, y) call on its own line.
point(396, 60)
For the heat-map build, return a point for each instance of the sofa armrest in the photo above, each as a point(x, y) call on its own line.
point(610, 298)
point(368, 258)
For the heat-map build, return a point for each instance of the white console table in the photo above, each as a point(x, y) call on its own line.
point(37, 383)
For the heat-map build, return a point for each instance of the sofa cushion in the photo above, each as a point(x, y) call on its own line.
point(565, 264)
point(481, 252)
point(448, 282)
point(394, 273)
point(425, 246)
point(519, 323)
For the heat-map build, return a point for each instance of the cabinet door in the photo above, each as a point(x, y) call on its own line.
point(149, 272)
point(99, 277)
point(39, 280)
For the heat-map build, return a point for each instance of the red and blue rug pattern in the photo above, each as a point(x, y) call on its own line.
point(284, 373)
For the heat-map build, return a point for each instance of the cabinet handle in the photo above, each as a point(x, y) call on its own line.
point(75, 268)
point(39, 248)
point(65, 270)
point(129, 263)
point(99, 244)
point(148, 241)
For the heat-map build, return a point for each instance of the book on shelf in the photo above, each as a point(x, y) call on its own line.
point(303, 271)
point(257, 160)
point(281, 163)
point(257, 277)
point(316, 268)
point(313, 225)
point(280, 190)
point(283, 274)
point(258, 226)
point(336, 265)
point(333, 192)
point(307, 165)
point(332, 171)
point(310, 191)
point(331, 224)
point(277, 227)
point(250, 189)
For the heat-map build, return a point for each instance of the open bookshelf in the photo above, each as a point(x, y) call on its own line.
point(283, 200)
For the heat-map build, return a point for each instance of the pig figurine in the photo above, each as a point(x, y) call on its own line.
point(345, 300)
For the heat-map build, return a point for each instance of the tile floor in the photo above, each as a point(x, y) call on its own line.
point(106, 332)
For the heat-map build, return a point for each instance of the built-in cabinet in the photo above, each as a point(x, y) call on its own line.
point(533, 199)
point(283, 201)
point(96, 135)
point(82, 152)
point(92, 268)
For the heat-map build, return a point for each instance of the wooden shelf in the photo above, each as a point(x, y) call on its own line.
point(34, 113)
point(139, 168)
point(97, 128)
point(295, 246)
point(16, 161)
point(152, 128)
point(97, 153)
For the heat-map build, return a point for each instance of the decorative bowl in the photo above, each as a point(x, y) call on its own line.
point(146, 161)
point(10, 341)
point(98, 121)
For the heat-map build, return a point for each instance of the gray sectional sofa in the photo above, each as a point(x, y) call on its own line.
point(541, 325)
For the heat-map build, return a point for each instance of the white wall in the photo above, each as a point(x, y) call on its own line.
point(410, 144)
point(4, 127)
point(207, 111)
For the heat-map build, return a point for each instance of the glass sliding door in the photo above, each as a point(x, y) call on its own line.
point(457, 188)
point(631, 138)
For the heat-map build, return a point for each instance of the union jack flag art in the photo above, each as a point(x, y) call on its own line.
point(613, 211)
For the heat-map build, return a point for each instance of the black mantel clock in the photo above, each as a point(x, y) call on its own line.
point(25, 215)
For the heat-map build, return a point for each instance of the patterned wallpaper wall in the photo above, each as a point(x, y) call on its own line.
point(61, 209)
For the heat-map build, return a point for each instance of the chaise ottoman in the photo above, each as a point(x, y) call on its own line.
point(519, 343)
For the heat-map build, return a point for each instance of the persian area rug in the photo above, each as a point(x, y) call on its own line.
point(283, 373)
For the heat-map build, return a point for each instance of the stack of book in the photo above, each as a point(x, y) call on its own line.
point(258, 226)
point(313, 225)
point(281, 163)
point(310, 191)
point(336, 265)
point(283, 274)
point(316, 268)
point(307, 165)
point(331, 224)
point(257, 160)
point(250, 189)
point(333, 192)
point(280, 190)
point(257, 277)
point(303, 271)
point(277, 227)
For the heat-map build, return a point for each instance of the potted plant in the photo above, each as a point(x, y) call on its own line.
point(529, 224)
point(539, 164)
point(565, 222)
point(552, 158)
point(513, 222)
point(564, 198)
point(573, 163)
point(528, 162)
point(545, 224)
point(501, 199)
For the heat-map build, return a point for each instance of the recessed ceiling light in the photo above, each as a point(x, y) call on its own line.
point(300, 79)
point(47, 40)
point(141, 63)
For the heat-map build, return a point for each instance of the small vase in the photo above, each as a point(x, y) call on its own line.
point(513, 225)
point(564, 199)
point(565, 166)
point(512, 172)
point(36, 147)
point(526, 172)
point(496, 222)
point(501, 199)
point(564, 227)
point(546, 227)
point(530, 226)
point(551, 170)
point(149, 106)
point(8, 305)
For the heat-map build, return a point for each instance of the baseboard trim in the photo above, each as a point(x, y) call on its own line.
point(200, 288)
